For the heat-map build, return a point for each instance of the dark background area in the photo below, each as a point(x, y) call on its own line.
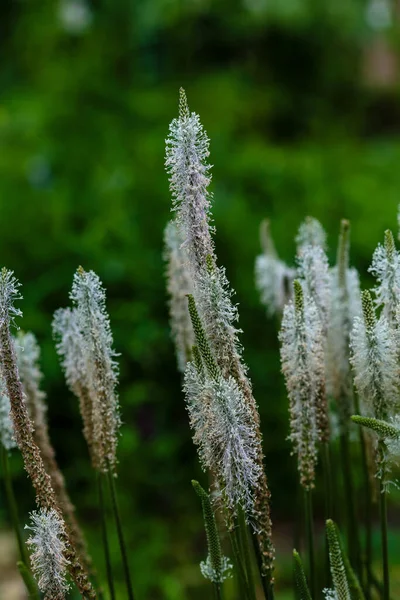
point(301, 102)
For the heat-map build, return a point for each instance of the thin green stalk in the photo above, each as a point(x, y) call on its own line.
point(328, 500)
point(384, 541)
point(352, 521)
point(218, 593)
point(367, 507)
point(245, 549)
point(29, 581)
point(310, 542)
point(238, 563)
point(12, 506)
point(120, 536)
point(105, 538)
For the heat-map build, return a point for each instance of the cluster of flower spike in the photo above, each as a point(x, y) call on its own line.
point(222, 410)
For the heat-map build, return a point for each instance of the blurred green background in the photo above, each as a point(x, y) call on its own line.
point(301, 102)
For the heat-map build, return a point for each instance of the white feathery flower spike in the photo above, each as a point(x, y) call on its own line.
point(69, 347)
point(6, 424)
point(313, 273)
point(225, 434)
point(28, 355)
point(273, 277)
point(374, 360)
point(208, 571)
point(187, 149)
point(386, 268)
point(179, 285)
point(9, 294)
point(302, 357)
point(311, 233)
point(89, 299)
point(49, 564)
point(345, 305)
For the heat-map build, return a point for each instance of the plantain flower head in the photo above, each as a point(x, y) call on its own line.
point(28, 354)
point(311, 233)
point(302, 358)
point(179, 285)
point(313, 274)
point(49, 564)
point(374, 360)
point(6, 424)
point(9, 293)
point(386, 268)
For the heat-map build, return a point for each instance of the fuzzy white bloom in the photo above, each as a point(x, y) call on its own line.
point(208, 571)
point(179, 285)
point(89, 299)
point(70, 347)
point(345, 306)
point(313, 273)
point(187, 149)
point(28, 354)
point(6, 424)
point(386, 268)
point(225, 433)
point(273, 277)
point(302, 357)
point(310, 233)
point(49, 564)
point(274, 282)
point(374, 360)
point(9, 294)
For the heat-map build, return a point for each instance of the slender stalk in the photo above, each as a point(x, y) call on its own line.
point(327, 473)
point(121, 540)
point(29, 581)
point(218, 592)
point(106, 546)
point(244, 545)
point(352, 521)
point(384, 541)
point(267, 585)
point(367, 507)
point(238, 563)
point(310, 542)
point(12, 506)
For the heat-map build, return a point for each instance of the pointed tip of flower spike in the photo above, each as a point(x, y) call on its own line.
point(298, 297)
point(184, 112)
point(389, 243)
point(266, 241)
point(382, 428)
point(368, 309)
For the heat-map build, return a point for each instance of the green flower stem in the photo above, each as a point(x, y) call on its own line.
point(12, 506)
point(245, 549)
point(29, 581)
point(105, 537)
point(121, 540)
point(352, 521)
point(384, 541)
point(327, 472)
point(310, 542)
point(300, 578)
point(267, 585)
point(239, 566)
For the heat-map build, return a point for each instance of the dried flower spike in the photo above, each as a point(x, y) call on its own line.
point(49, 564)
point(6, 424)
point(386, 268)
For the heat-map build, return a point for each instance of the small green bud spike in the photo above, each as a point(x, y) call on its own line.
point(338, 571)
point(201, 339)
point(267, 243)
point(210, 526)
point(300, 577)
point(298, 298)
point(198, 363)
point(184, 112)
point(354, 585)
point(368, 309)
point(382, 428)
point(343, 251)
point(390, 246)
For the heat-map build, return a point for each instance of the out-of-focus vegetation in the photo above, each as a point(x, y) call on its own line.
point(301, 102)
